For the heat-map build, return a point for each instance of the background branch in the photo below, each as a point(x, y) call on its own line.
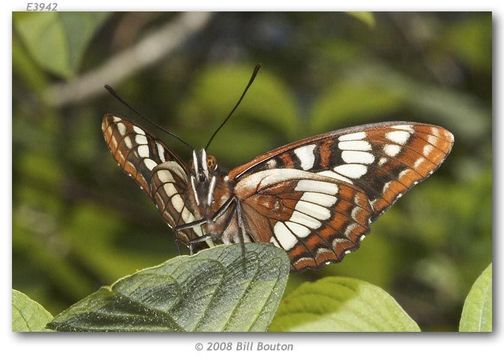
point(148, 51)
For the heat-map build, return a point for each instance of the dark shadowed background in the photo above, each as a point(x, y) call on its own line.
point(80, 223)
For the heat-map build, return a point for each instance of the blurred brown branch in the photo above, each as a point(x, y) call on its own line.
point(147, 51)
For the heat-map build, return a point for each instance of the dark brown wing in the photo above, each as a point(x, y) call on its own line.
point(135, 150)
point(156, 169)
point(314, 218)
point(316, 197)
point(384, 160)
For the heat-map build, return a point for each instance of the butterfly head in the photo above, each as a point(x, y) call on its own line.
point(203, 176)
point(204, 166)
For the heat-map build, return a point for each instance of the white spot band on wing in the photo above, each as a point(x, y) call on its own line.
point(353, 171)
point(306, 156)
point(141, 139)
point(399, 137)
point(160, 150)
point(128, 142)
point(151, 164)
point(169, 189)
point(165, 176)
point(354, 136)
point(138, 130)
point(305, 220)
point(177, 202)
point(284, 236)
point(143, 151)
point(317, 186)
point(359, 157)
point(391, 149)
point(318, 198)
point(316, 211)
point(360, 145)
point(299, 230)
point(121, 128)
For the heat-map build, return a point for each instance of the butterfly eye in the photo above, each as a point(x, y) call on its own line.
point(211, 162)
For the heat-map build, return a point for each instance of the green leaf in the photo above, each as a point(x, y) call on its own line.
point(216, 290)
point(28, 315)
point(363, 16)
point(477, 311)
point(341, 304)
point(57, 40)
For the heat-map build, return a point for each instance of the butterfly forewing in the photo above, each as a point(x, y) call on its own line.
point(384, 160)
point(136, 151)
point(156, 169)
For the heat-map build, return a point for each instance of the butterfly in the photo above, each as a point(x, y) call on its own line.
point(315, 198)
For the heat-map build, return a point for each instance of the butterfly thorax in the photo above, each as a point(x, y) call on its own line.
point(209, 189)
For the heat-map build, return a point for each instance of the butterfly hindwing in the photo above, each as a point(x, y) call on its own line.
point(313, 218)
point(169, 191)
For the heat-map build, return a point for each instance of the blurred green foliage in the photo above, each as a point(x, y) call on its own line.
point(57, 41)
point(79, 222)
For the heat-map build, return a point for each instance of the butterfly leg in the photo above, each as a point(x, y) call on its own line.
point(214, 236)
point(241, 232)
point(198, 240)
point(214, 218)
point(177, 243)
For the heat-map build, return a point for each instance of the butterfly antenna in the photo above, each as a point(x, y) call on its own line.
point(122, 101)
point(252, 78)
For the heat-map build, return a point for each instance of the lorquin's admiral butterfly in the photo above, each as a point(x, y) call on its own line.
point(314, 198)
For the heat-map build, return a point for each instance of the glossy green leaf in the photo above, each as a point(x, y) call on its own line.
point(341, 304)
point(57, 40)
point(477, 311)
point(216, 290)
point(28, 315)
